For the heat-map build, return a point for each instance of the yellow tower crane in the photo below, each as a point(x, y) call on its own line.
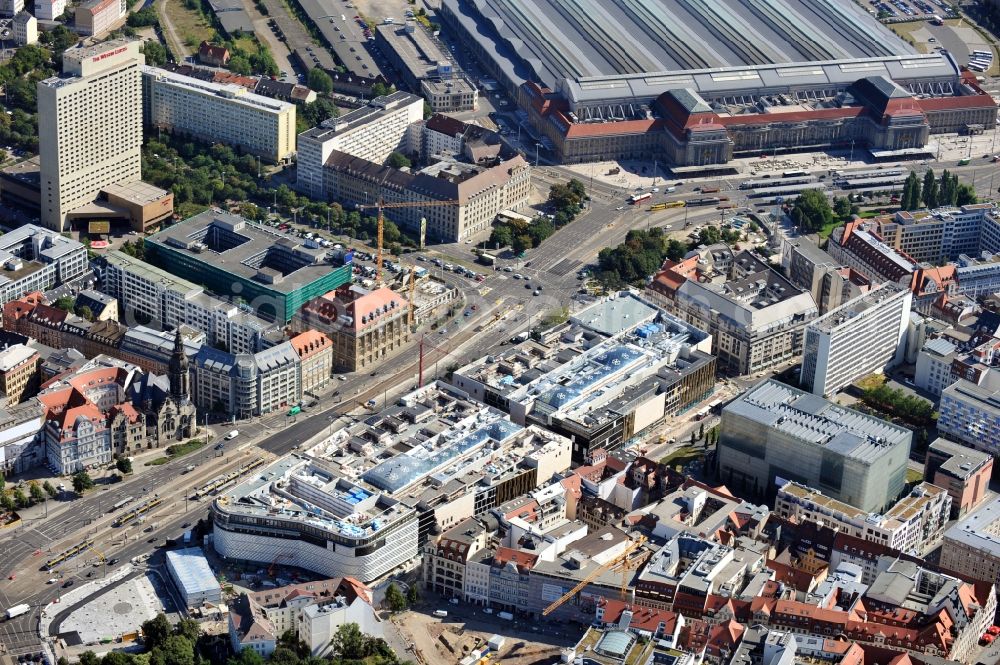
point(622, 560)
point(382, 205)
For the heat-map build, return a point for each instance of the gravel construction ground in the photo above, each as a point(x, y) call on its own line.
point(449, 640)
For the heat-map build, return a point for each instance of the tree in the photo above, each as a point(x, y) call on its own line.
point(811, 210)
point(501, 236)
point(521, 243)
point(247, 657)
point(188, 628)
point(948, 190)
point(349, 642)
point(84, 312)
point(910, 199)
point(965, 195)
point(3, 481)
point(125, 466)
point(64, 303)
point(412, 595)
point(20, 498)
point(82, 482)
point(398, 160)
point(35, 490)
point(116, 658)
point(930, 192)
point(540, 230)
point(915, 192)
point(155, 52)
point(49, 489)
point(394, 598)
point(240, 65)
point(89, 658)
point(676, 250)
point(283, 656)
point(289, 640)
point(155, 631)
point(841, 206)
point(62, 661)
point(175, 650)
point(7, 502)
point(320, 81)
point(144, 18)
point(379, 90)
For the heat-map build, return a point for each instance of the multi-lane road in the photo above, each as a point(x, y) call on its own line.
point(550, 269)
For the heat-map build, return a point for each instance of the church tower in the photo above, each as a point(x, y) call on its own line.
point(178, 370)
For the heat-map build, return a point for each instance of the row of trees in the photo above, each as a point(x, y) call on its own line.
point(933, 192)
point(19, 77)
point(565, 201)
point(16, 497)
point(200, 177)
point(184, 644)
point(633, 261)
point(900, 404)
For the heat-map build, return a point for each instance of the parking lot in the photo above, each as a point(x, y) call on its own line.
point(892, 9)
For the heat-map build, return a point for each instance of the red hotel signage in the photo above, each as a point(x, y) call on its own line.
point(98, 58)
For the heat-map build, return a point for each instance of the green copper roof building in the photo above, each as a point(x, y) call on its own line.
point(273, 273)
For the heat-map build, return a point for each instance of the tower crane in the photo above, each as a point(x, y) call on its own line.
point(622, 560)
point(382, 205)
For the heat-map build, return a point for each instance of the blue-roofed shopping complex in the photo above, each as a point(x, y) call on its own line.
point(616, 370)
point(362, 501)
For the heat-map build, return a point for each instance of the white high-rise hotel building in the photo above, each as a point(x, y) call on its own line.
point(89, 126)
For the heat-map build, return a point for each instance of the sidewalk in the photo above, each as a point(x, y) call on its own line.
point(103, 482)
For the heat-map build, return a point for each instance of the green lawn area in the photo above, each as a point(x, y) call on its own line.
point(179, 450)
point(682, 456)
point(913, 476)
point(192, 28)
point(871, 381)
point(827, 229)
point(905, 29)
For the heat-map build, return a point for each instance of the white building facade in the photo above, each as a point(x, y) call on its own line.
point(372, 133)
point(224, 113)
point(862, 336)
point(89, 126)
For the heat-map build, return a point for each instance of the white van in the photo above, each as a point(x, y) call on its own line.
point(232, 434)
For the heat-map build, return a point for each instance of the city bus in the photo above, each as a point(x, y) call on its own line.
point(636, 199)
point(794, 174)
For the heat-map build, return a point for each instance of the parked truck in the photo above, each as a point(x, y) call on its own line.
point(506, 616)
point(441, 613)
point(17, 610)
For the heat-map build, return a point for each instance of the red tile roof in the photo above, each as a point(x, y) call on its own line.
point(523, 560)
point(643, 618)
point(310, 343)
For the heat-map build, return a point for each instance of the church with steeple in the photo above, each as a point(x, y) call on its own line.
point(164, 402)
